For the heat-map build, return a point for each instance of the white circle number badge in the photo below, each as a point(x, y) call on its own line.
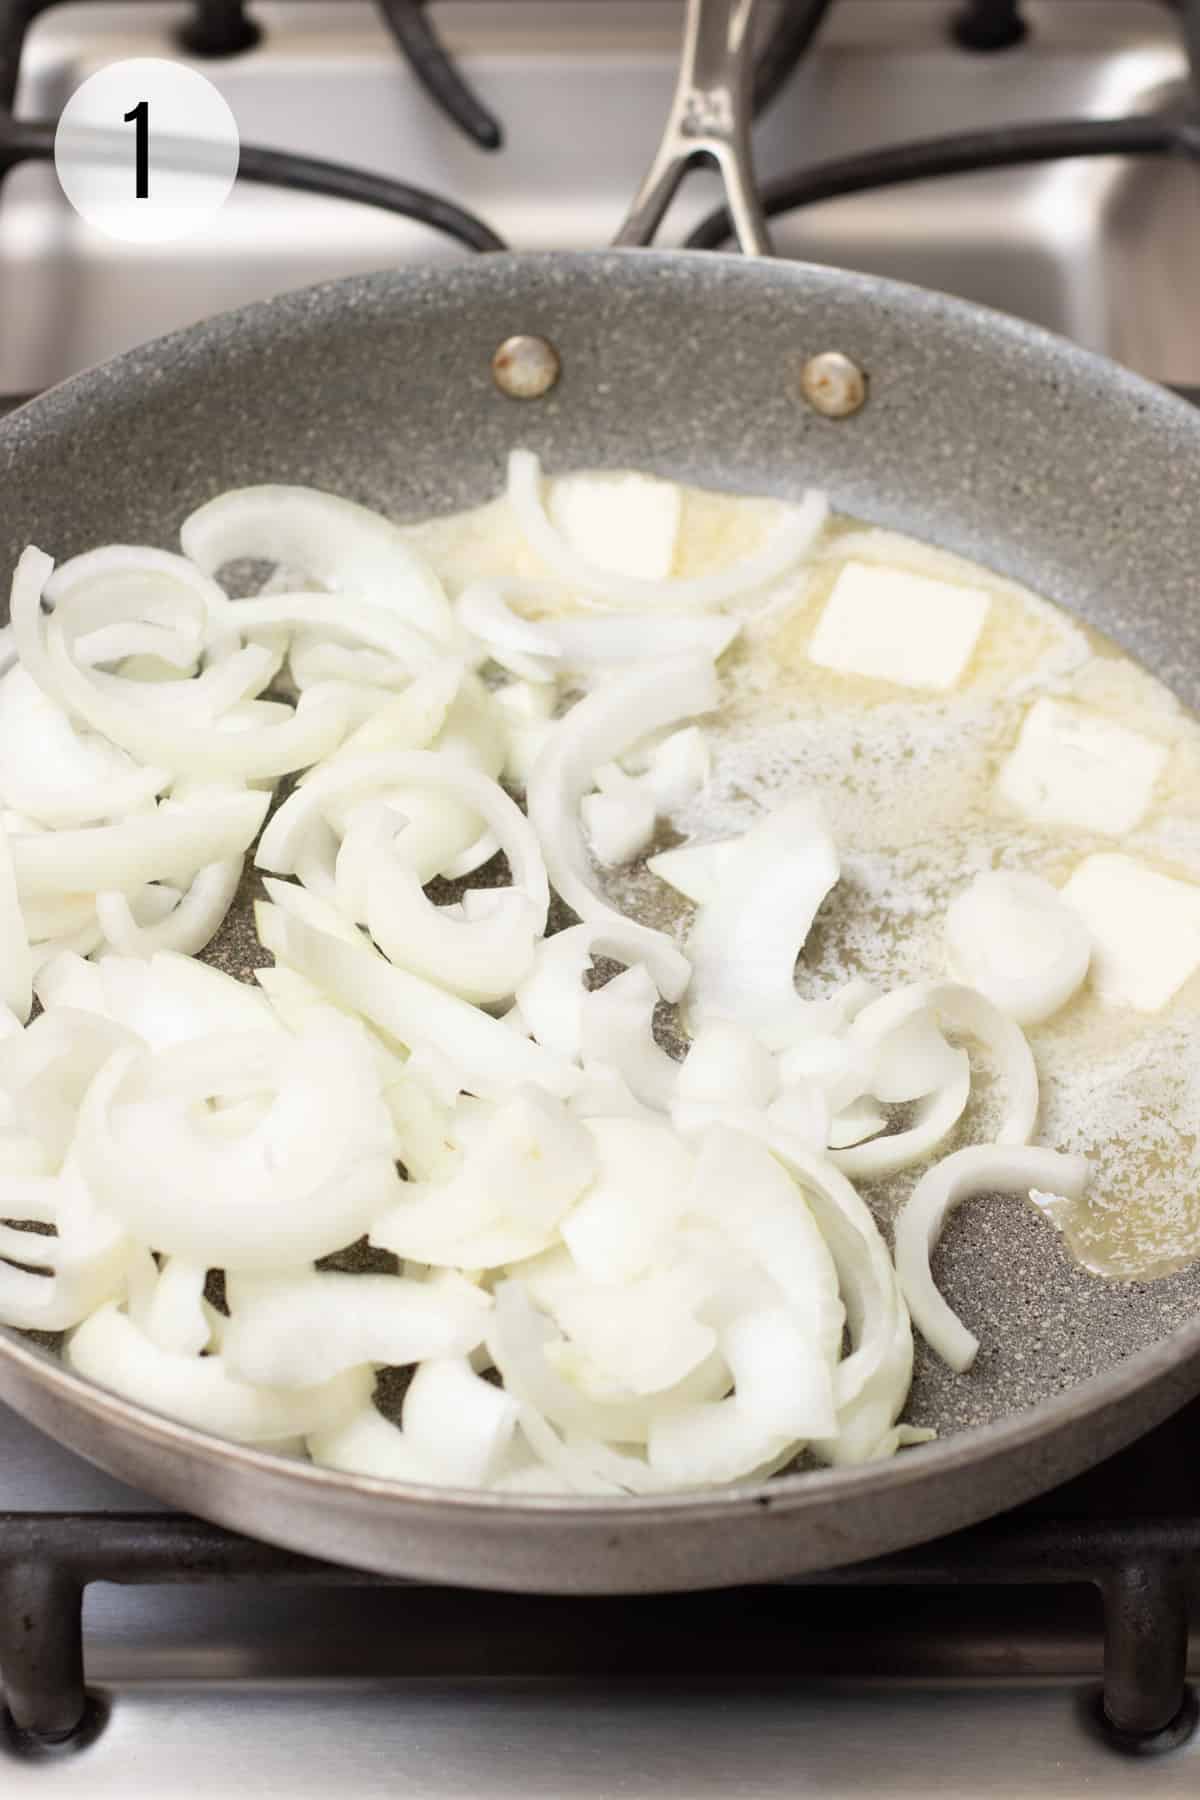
point(147, 150)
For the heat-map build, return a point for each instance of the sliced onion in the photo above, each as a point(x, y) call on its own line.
point(16, 967)
point(518, 1338)
point(617, 1027)
point(338, 617)
point(529, 1166)
point(550, 999)
point(528, 650)
point(1013, 937)
point(693, 870)
point(481, 951)
point(871, 1383)
point(963, 1010)
point(598, 731)
point(174, 1316)
point(745, 940)
point(595, 644)
point(488, 1057)
point(72, 780)
point(621, 1226)
point(341, 545)
point(317, 725)
point(935, 1118)
point(390, 771)
point(409, 722)
point(304, 1179)
point(187, 928)
point(789, 544)
point(199, 1390)
point(983, 1168)
point(172, 842)
point(89, 1261)
point(459, 1424)
point(302, 1330)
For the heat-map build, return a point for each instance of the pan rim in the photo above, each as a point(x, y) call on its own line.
point(790, 1494)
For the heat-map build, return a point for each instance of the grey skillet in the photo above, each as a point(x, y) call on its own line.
point(979, 433)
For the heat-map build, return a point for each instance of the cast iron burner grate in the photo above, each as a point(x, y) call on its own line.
point(222, 28)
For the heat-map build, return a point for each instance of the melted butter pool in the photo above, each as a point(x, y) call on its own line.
point(910, 782)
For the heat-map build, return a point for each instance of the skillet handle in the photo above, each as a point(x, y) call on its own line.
point(709, 122)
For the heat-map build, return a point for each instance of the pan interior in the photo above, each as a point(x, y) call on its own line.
point(980, 435)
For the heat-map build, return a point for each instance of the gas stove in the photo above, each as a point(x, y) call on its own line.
point(144, 1653)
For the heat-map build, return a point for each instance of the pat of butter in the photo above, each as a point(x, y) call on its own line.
point(1077, 768)
point(894, 626)
point(626, 523)
point(1145, 929)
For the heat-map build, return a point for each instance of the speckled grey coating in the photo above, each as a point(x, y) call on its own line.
point(981, 434)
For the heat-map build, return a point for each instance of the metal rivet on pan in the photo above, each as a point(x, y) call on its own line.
point(526, 367)
point(833, 385)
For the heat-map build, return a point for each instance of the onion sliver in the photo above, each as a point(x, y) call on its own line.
point(482, 956)
point(187, 928)
point(934, 1120)
point(172, 842)
point(488, 1058)
point(16, 967)
point(339, 544)
point(598, 730)
point(983, 1168)
point(1014, 938)
point(72, 780)
point(298, 1331)
point(303, 1179)
point(199, 1390)
point(338, 616)
point(617, 1027)
point(420, 769)
point(745, 940)
point(312, 731)
point(873, 1380)
point(787, 546)
point(505, 1202)
point(971, 1013)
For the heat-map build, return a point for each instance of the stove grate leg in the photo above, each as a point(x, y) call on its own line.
point(1146, 1704)
point(41, 1650)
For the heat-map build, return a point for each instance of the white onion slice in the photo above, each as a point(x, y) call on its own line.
point(518, 1338)
point(788, 545)
point(550, 999)
point(338, 617)
point(187, 928)
point(617, 1027)
point(302, 1330)
point(482, 954)
point(303, 1179)
point(745, 940)
point(488, 1057)
point(693, 870)
point(72, 780)
point(172, 842)
point(871, 1383)
point(597, 731)
point(460, 1425)
point(623, 1223)
point(339, 544)
point(16, 967)
point(983, 1168)
point(506, 1201)
point(317, 725)
point(595, 644)
point(520, 645)
point(199, 1390)
point(410, 721)
point(936, 1116)
point(174, 1315)
point(1013, 937)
